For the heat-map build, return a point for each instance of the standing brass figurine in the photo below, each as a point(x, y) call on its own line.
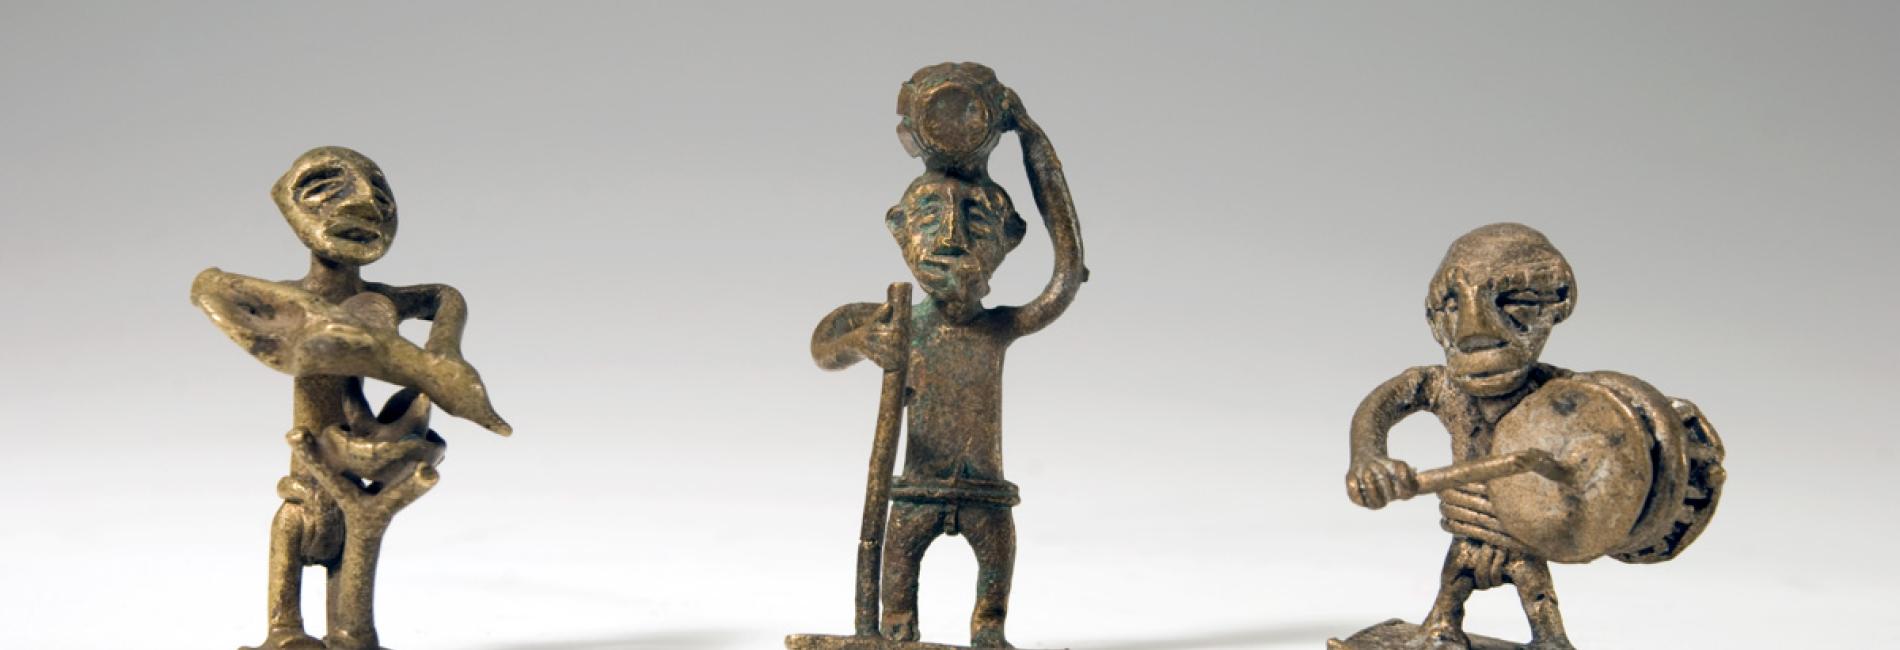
point(351, 469)
point(1549, 464)
point(943, 363)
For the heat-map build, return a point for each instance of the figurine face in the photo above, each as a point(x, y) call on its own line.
point(339, 204)
point(1493, 302)
point(954, 233)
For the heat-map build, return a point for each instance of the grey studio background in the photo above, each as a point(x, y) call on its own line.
point(649, 207)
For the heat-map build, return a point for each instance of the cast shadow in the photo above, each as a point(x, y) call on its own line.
point(1311, 634)
point(691, 639)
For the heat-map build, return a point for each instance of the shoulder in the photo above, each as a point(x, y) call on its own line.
point(855, 311)
point(846, 317)
point(1544, 372)
point(1428, 378)
point(1001, 322)
point(1434, 384)
point(391, 289)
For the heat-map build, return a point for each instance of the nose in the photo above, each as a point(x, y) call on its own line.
point(361, 202)
point(1476, 326)
point(950, 235)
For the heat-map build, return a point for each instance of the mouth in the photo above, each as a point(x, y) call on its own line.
point(940, 265)
point(355, 234)
point(1491, 380)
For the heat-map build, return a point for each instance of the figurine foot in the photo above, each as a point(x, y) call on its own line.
point(287, 639)
point(989, 637)
point(1559, 643)
point(1439, 636)
point(900, 627)
point(1400, 635)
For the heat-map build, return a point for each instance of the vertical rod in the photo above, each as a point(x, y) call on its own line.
point(877, 491)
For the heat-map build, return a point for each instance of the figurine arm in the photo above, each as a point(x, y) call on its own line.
point(849, 334)
point(1051, 191)
point(1374, 478)
point(440, 304)
point(1384, 407)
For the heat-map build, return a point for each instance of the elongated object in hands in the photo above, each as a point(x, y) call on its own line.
point(877, 489)
point(1491, 467)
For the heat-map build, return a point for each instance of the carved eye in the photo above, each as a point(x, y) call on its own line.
point(929, 208)
point(1523, 306)
point(385, 198)
point(980, 220)
point(1448, 303)
point(319, 185)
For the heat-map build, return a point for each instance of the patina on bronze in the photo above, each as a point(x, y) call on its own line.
point(351, 469)
point(1549, 464)
point(943, 361)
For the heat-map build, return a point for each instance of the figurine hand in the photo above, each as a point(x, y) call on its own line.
point(881, 342)
point(1015, 116)
point(1375, 481)
point(1466, 512)
point(455, 386)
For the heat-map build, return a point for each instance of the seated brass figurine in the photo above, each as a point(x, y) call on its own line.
point(351, 469)
point(1549, 464)
point(943, 363)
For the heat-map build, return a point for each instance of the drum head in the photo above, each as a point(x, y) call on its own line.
point(953, 120)
point(1595, 427)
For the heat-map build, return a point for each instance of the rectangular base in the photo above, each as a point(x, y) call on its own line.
point(835, 642)
point(1393, 635)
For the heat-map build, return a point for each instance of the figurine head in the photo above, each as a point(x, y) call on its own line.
point(339, 204)
point(953, 115)
point(1493, 302)
point(954, 233)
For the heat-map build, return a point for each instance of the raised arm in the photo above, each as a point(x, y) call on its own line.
point(1374, 478)
point(440, 304)
point(1051, 191)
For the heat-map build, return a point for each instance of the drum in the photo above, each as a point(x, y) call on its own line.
point(953, 114)
point(1641, 472)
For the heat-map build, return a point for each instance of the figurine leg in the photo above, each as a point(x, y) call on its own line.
point(291, 528)
point(1534, 589)
point(992, 534)
point(913, 526)
point(1444, 626)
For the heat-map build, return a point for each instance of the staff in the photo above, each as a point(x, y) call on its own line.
point(877, 488)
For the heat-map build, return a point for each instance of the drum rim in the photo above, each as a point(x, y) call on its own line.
point(1669, 457)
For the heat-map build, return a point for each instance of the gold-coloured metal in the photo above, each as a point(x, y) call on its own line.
point(954, 226)
point(1549, 464)
point(352, 469)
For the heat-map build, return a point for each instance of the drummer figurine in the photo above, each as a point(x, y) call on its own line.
point(1548, 464)
point(944, 363)
point(351, 469)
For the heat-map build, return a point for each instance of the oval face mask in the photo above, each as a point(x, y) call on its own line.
point(339, 204)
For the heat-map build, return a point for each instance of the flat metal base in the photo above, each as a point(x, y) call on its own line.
point(835, 642)
point(1400, 635)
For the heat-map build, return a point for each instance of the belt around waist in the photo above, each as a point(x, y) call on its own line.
point(957, 490)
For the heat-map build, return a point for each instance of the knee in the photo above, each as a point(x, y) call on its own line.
point(1529, 575)
point(305, 534)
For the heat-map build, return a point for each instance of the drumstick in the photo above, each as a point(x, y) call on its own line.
point(1491, 467)
point(877, 489)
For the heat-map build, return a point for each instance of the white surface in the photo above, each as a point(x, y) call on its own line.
point(1263, 190)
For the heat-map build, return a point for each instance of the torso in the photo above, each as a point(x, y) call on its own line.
point(1472, 421)
point(954, 398)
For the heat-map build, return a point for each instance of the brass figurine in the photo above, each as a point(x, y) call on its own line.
point(1549, 464)
point(351, 469)
point(943, 361)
